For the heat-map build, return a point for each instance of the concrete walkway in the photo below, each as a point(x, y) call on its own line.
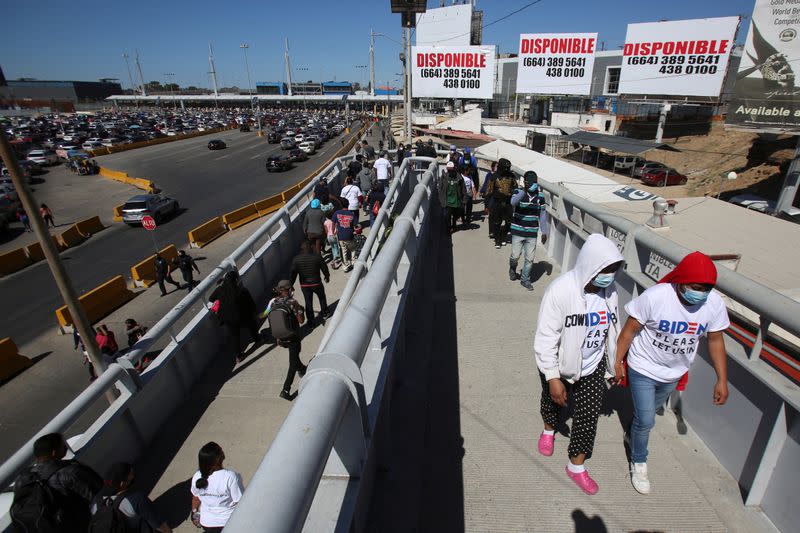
point(477, 469)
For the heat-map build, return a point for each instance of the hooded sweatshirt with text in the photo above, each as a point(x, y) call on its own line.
point(561, 325)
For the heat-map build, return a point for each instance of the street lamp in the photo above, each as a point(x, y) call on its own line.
point(244, 48)
point(363, 68)
point(408, 10)
point(171, 89)
point(304, 89)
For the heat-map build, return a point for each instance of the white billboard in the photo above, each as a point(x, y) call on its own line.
point(556, 63)
point(452, 71)
point(680, 57)
point(766, 85)
point(445, 26)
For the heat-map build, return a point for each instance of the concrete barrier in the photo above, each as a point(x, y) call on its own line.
point(98, 302)
point(72, 236)
point(117, 175)
point(144, 184)
point(13, 261)
point(269, 205)
point(11, 361)
point(144, 272)
point(207, 232)
point(289, 193)
point(35, 252)
point(240, 217)
point(118, 213)
point(90, 226)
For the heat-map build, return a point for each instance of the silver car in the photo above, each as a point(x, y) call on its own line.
point(155, 205)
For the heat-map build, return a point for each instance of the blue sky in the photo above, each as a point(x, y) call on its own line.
point(85, 39)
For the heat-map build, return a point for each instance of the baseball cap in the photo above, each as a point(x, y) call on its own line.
point(468, 150)
point(452, 147)
point(450, 165)
point(284, 285)
point(314, 204)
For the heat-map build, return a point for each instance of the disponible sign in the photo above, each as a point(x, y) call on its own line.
point(766, 94)
point(452, 71)
point(556, 63)
point(679, 58)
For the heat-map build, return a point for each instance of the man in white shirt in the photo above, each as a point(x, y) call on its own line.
point(353, 196)
point(659, 343)
point(383, 169)
point(466, 214)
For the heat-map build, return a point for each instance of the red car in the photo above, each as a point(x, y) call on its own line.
point(664, 176)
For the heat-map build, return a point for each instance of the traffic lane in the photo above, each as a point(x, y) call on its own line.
point(114, 250)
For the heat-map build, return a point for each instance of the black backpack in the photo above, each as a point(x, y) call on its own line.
point(38, 507)
point(282, 321)
point(108, 518)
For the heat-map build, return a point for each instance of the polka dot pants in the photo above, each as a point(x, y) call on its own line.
point(586, 396)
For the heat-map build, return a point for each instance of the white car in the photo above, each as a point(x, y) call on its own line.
point(308, 147)
point(43, 157)
point(94, 140)
point(299, 138)
point(111, 141)
point(91, 145)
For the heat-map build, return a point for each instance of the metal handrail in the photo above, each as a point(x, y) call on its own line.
point(279, 495)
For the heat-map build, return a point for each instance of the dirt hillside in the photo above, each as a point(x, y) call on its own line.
point(760, 161)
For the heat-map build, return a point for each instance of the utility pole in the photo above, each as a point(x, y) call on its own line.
point(407, 46)
point(130, 77)
point(167, 75)
point(141, 78)
point(244, 48)
point(288, 66)
point(213, 70)
point(371, 62)
point(662, 120)
point(79, 319)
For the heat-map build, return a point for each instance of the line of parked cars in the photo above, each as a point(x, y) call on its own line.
point(649, 172)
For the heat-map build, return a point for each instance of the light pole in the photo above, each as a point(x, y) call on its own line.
point(130, 77)
point(167, 75)
point(362, 68)
point(244, 47)
point(303, 91)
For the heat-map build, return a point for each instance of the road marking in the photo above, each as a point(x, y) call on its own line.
point(221, 157)
point(257, 156)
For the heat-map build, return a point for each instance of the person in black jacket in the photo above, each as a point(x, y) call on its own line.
point(74, 483)
point(236, 310)
point(310, 268)
point(186, 264)
point(164, 273)
point(314, 225)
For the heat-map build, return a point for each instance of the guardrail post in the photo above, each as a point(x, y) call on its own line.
point(758, 344)
point(769, 459)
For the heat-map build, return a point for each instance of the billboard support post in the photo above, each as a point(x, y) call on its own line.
point(662, 120)
point(790, 183)
point(407, 33)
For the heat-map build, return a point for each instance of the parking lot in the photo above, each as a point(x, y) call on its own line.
point(206, 183)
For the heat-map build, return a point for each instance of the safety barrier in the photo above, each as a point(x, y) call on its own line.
point(12, 261)
point(122, 177)
point(72, 236)
point(35, 252)
point(11, 361)
point(105, 150)
point(239, 217)
point(290, 192)
point(98, 302)
point(144, 272)
point(90, 226)
point(270, 205)
point(207, 232)
point(118, 213)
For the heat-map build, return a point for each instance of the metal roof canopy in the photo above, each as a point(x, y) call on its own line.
point(622, 145)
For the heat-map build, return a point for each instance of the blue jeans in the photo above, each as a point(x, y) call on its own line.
point(334, 242)
point(518, 244)
point(647, 395)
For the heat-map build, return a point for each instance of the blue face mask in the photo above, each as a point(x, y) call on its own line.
point(533, 187)
point(694, 297)
point(603, 280)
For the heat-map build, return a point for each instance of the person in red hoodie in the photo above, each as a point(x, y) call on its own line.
point(659, 342)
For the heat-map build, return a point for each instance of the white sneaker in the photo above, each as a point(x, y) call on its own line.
point(639, 478)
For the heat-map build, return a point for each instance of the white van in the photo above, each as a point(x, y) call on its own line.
point(625, 162)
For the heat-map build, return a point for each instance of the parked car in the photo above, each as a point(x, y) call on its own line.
point(273, 137)
point(244, 127)
point(625, 163)
point(278, 163)
point(664, 176)
point(216, 144)
point(287, 143)
point(64, 149)
point(646, 166)
point(298, 155)
point(308, 147)
point(89, 145)
point(5, 175)
point(111, 141)
point(31, 168)
point(299, 138)
point(43, 157)
point(155, 205)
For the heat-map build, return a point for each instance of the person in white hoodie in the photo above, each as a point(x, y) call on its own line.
point(574, 345)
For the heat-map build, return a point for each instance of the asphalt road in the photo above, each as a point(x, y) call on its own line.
point(205, 183)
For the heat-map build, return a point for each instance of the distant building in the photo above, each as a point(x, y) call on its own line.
point(337, 87)
point(271, 87)
point(61, 95)
point(386, 91)
point(306, 88)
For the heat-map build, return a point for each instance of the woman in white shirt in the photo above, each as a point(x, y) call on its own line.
point(215, 490)
point(660, 341)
